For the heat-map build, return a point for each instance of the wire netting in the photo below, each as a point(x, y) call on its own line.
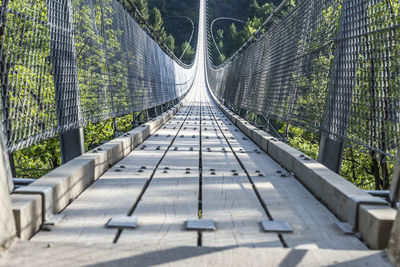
point(328, 65)
point(65, 63)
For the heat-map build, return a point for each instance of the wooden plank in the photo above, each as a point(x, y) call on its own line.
point(314, 225)
point(79, 254)
point(85, 218)
point(172, 196)
point(229, 200)
point(169, 201)
point(113, 194)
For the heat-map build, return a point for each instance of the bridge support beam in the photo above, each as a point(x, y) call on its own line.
point(63, 58)
point(338, 103)
point(7, 222)
point(152, 112)
point(159, 109)
point(242, 112)
point(331, 152)
point(72, 144)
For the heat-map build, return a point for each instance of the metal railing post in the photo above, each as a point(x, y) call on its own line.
point(242, 112)
point(152, 112)
point(159, 109)
point(338, 103)
point(67, 96)
point(134, 120)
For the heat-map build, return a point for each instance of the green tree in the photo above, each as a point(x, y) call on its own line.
point(170, 42)
point(219, 38)
point(220, 43)
point(233, 38)
point(265, 11)
point(230, 43)
point(365, 168)
point(188, 54)
point(375, 94)
point(157, 23)
point(142, 8)
point(254, 9)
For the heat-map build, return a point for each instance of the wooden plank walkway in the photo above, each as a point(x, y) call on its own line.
point(228, 197)
point(197, 165)
point(172, 195)
point(112, 195)
point(79, 254)
point(198, 143)
point(287, 200)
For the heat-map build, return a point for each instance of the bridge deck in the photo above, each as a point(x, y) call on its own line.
point(198, 157)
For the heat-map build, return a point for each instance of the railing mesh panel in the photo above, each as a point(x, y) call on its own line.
point(65, 63)
point(331, 66)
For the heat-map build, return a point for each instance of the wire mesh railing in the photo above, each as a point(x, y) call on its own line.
point(65, 63)
point(330, 66)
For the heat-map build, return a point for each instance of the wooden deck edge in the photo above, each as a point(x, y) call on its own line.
point(335, 192)
point(69, 180)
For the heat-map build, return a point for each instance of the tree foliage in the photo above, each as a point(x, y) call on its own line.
point(235, 36)
point(142, 7)
point(177, 29)
point(157, 23)
point(186, 52)
point(372, 126)
point(99, 44)
point(364, 167)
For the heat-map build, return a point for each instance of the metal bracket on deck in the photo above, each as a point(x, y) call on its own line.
point(346, 228)
point(276, 226)
point(122, 222)
point(200, 224)
point(48, 218)
point(354, 205)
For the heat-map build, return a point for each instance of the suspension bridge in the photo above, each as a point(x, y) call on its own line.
point(198, 184)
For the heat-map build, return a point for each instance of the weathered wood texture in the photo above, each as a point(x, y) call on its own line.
point(64, 254)
point(314, 225)
point(228, 197)
point(172, 196)
point(113, 194)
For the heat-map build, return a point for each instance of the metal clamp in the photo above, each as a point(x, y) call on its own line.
point(122, 222)
point(276, 226)
point(356, 202)
point(200, 224)
point(48, 218)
